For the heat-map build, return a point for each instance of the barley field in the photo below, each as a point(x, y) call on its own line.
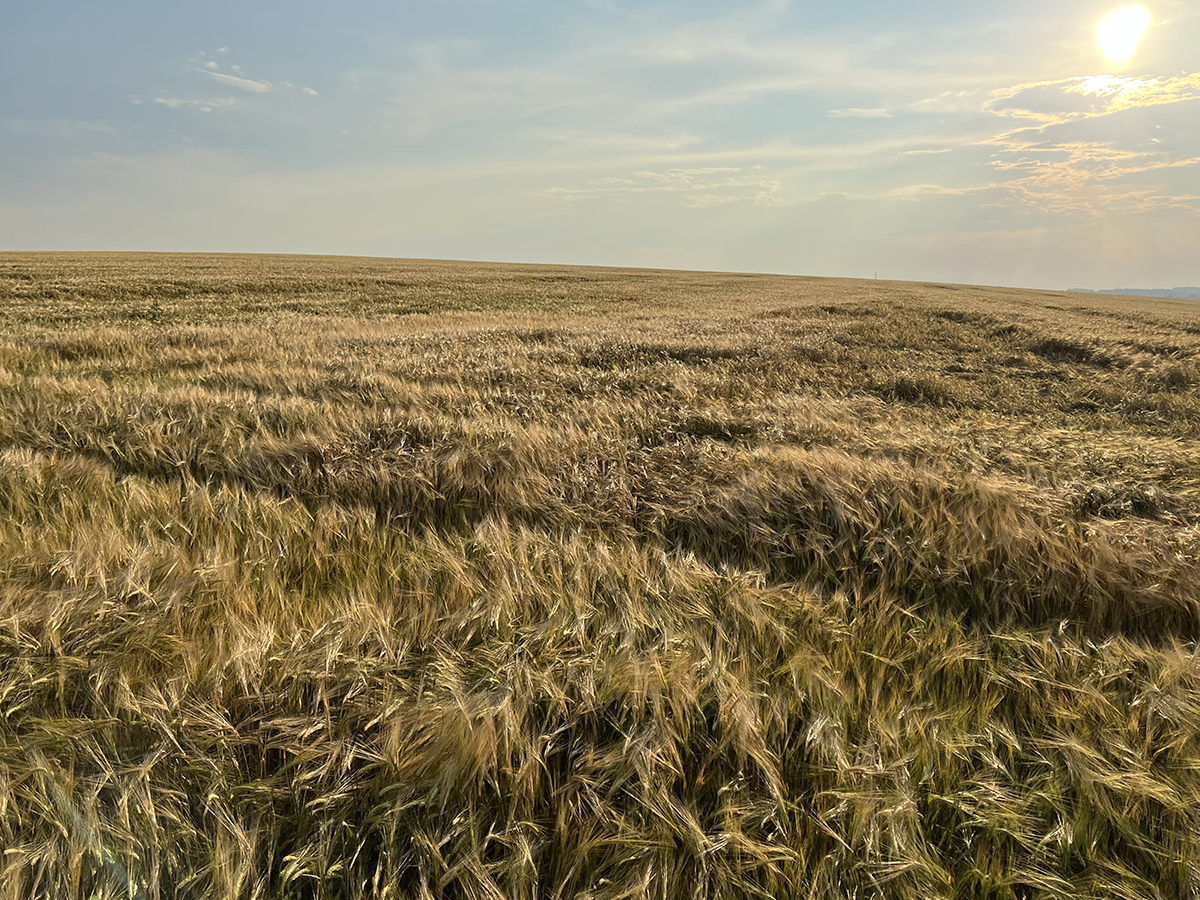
point(354, 578)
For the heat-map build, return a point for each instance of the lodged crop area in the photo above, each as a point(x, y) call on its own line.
point(348, 578)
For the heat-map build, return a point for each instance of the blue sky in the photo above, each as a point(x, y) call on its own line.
point(984, 143)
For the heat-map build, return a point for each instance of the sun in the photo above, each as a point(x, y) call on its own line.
point(1120, 32)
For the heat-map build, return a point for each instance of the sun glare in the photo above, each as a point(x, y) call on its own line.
point(1120, 32)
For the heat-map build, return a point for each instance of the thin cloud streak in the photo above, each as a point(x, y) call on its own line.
point(711, 186)
point(245, 84)
point(205, 106)
point(59, 128)
point(856, 113)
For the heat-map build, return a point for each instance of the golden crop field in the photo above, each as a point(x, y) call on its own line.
point(361, 578)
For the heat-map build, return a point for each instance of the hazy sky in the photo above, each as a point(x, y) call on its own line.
point(933, 139)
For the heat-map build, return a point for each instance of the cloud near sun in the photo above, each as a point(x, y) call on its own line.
point(1060, 161)
point(1067, 99)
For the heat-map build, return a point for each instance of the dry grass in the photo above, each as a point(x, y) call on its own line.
point(362, 578)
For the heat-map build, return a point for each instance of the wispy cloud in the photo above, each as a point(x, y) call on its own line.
point(441, 84)
point(1069, 99)
point(735, 59)
point(968, 101)
point(1054, 166)
point(61, 128)
point(209, 65)
point(856, 113)
point(245, 84)
point(596, 140)
point(699, 187)
point(205, 105)
point(751, 33)
point(936, 190)
point(911, 192)
point(1085, 177)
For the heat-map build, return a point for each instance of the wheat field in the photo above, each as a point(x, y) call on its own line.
point(354, 578)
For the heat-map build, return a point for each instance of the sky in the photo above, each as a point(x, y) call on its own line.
point(936, 140)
